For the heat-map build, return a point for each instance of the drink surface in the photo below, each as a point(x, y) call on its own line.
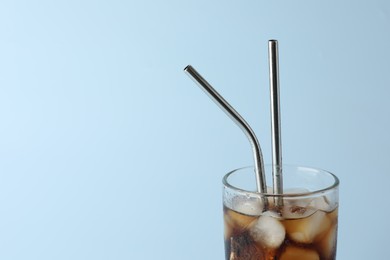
point(291, 233)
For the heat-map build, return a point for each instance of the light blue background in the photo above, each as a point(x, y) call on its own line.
point(109, 151)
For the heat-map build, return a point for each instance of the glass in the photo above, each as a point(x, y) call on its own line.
point(304, 227)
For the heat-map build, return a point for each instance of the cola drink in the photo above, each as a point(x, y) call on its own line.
point(271, 236)
point(304, 227)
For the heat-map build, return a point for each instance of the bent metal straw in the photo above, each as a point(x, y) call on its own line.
point(233, 114)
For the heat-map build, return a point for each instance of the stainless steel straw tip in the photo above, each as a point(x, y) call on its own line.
point(275, 120)
point(187, 67)
point(273, 46)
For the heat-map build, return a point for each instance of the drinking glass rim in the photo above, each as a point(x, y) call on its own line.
point(286, 195)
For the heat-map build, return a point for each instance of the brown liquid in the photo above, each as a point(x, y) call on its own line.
point(311, 237)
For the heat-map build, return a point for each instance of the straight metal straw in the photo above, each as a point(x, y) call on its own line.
point(277, 173)
point(233, 114)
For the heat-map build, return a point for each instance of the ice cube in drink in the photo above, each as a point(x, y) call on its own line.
point(288, 233)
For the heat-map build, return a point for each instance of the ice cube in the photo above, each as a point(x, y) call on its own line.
point(271, 213)
point(252, 206)
point(268, 230)
point(306, 230)
point(236, 220)
point(328, 243)
point(321, 203)
point(333, 215)
point(297, 201)
point(294, 253)
point(295, 211)
point(297, 207)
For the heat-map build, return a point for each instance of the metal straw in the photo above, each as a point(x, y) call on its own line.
point(277, 174)
point(233, 114)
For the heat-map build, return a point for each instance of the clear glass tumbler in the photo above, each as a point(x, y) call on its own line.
point(301, 226)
